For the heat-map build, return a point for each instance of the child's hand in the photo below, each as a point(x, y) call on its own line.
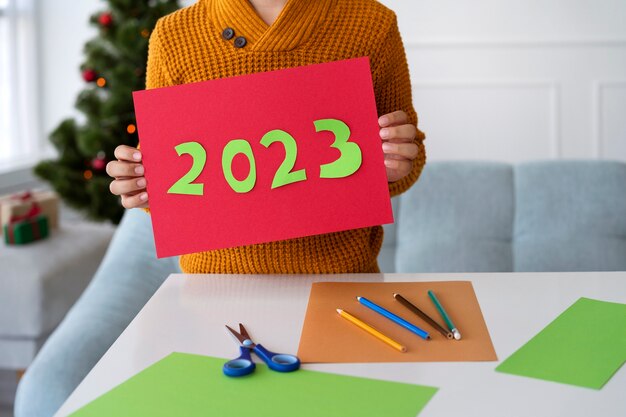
point(129, 181)
point(399, 145)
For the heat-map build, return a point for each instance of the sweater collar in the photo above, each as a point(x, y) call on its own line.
point(294, 25)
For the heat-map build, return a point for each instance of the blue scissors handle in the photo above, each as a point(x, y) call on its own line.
point(240, 366)
point(280, 362)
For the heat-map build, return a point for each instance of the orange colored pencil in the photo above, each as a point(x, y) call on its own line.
point(371, 330)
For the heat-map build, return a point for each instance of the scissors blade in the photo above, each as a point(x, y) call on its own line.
point(244, 332)
point(238, 336)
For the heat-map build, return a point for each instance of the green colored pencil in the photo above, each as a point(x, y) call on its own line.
point(444, 315)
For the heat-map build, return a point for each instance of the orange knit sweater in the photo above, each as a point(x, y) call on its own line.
point(188, 46)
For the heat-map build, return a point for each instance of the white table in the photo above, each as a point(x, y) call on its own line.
point(188, 313)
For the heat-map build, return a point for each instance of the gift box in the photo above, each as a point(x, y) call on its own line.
point(17, 205)
point(26, 231)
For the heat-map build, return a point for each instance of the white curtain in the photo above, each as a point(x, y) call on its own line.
point(20, 139)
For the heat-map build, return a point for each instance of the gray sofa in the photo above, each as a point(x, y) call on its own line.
point(39, 282)
point(459, 217)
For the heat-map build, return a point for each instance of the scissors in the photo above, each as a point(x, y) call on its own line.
point(243, 365)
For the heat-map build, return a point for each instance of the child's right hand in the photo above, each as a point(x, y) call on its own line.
point(129, 182)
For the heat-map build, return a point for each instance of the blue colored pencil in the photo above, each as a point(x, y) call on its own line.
point(396, 319)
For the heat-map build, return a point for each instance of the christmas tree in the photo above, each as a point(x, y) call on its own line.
point(114, 67)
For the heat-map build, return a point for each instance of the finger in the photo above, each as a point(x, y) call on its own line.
point(127, 153)
point(401, 133)
point(402, 166)
point(402, 150)
point(124, 169)
point(119, 187)
point(139, 200)
point(391, 119)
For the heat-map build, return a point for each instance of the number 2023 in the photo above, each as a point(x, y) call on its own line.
point(348, 163)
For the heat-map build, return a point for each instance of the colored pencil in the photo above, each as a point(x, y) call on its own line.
point(423, 315)
point(371, 330)
point(444, 315)
point(396, 319)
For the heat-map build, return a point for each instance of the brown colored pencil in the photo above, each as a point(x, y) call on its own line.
point(423, 315)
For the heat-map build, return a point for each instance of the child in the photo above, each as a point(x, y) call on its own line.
point(223, 38)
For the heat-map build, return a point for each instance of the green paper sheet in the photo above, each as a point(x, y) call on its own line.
point(584, 346)
point(193, 386)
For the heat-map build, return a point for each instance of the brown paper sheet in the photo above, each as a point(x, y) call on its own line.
point(329, 338)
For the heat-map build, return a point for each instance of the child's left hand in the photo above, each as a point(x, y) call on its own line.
point(399, 145)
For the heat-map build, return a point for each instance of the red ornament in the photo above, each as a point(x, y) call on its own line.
point(90, 75)
point(99, 163)
point(105, 19)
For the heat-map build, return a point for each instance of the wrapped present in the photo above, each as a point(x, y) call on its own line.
point(27, 228)
point(20, 204)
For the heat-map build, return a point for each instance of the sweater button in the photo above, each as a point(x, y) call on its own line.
point(240, 42)
point(228, 34)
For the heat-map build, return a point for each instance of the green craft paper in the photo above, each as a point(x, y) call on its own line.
point(584, 346)
point(193, 386)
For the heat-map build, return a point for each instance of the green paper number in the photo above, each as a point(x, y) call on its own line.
point(231, 149)
point(350, 158)
point(349, 161)
point(284, 175)
point(184, 185)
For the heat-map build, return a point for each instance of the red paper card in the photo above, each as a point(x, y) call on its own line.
point(221, 202)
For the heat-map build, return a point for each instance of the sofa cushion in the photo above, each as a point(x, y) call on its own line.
point(457, 218)
point(570, 216)
point(40, 281)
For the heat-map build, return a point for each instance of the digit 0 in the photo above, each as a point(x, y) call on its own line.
point(231, 149)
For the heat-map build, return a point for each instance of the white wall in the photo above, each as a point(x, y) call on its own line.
point(63, 31)
point(518, 79)
point(506, 80)
point(64, 28)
